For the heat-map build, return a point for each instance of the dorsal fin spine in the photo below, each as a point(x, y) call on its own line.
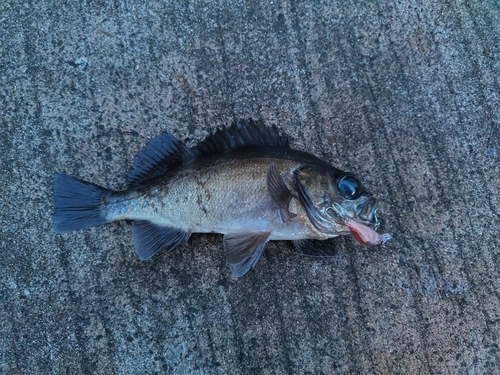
point(244, 133)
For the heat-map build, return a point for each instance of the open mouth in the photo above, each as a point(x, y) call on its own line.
point(361, 227)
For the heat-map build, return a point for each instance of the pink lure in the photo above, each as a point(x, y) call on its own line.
point(366, 235)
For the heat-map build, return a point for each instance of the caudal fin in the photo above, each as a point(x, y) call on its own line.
point(77, 204)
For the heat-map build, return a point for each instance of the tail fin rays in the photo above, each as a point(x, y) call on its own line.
point(77, 204)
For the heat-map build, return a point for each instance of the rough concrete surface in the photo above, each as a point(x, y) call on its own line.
point(403, 93)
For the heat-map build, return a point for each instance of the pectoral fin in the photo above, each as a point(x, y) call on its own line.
point(243, 250)
point(150, 238)
point(279, 193)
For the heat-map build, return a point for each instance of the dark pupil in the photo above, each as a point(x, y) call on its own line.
point(349, 187)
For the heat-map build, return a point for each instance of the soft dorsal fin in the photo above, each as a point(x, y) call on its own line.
point(244, 133)
point(162, 153)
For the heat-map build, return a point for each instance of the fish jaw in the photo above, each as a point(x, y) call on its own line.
point(360, 217)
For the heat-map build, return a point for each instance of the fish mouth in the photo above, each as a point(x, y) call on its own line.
point(364, 210)
point(364, 226)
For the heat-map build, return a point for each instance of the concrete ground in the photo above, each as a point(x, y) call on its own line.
point(403, 93)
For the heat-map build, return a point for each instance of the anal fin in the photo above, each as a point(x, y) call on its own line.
point(150, 238)
point(243, 250)
point(279, 193)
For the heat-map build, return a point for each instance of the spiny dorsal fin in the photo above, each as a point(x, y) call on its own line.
point(244, 133)
point(162, 153)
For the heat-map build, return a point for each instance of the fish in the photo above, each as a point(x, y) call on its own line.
point(243, 181)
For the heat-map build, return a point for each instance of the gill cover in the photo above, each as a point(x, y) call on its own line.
point(320, 223)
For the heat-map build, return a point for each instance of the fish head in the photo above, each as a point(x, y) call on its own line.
point(336, 203)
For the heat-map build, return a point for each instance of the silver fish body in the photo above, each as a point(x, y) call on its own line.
point(244, 182)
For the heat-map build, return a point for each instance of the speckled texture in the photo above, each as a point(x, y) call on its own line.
point(405, 94)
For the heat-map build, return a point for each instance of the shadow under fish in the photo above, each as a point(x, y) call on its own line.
point(243, 181)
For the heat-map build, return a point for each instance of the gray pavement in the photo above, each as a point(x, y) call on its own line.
point(403, 93)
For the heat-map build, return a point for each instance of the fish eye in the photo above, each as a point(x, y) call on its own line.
point(349, 186)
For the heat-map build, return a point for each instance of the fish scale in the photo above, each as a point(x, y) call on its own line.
point(214, 199)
